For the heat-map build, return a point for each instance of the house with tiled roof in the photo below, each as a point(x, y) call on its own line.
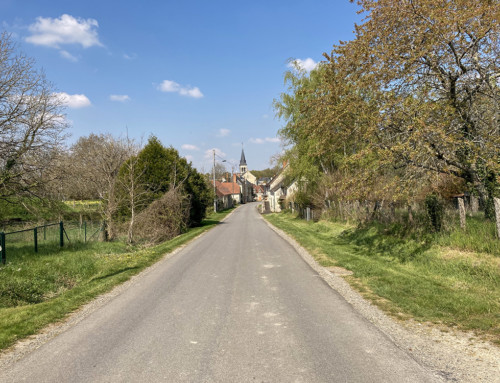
point(259, 192)
point(228, 194)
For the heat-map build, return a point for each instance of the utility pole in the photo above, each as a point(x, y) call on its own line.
point(215, 192)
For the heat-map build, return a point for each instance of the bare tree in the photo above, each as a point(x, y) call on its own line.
point(31, 123)
point(96, 161)
point(133, 186)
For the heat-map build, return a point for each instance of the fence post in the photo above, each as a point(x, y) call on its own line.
point(85, 226)
point(2, 247)
point(61, 234)
point(35, 237)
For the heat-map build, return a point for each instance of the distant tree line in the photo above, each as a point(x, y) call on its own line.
point(407, 109)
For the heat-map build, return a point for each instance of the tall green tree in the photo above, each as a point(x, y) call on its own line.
point(162, 169)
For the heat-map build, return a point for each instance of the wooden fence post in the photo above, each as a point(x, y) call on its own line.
point(496, 201)
point(461, 210)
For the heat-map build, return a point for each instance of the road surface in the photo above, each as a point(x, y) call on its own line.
point(236, 305)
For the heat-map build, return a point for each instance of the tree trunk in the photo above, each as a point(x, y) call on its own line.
point(130, 234)
point(496, 201)
point(461, 210)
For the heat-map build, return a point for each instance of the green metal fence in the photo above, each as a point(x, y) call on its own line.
point(52, 233)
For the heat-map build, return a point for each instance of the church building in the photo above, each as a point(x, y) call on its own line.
point(245, 179)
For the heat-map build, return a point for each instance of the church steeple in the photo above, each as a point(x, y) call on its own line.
point(243, 161)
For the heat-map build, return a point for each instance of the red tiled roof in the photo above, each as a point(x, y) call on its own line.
point(258, 188)
point(227, 188)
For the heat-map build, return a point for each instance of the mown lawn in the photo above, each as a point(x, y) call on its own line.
point(39, 289)
point(407, 277)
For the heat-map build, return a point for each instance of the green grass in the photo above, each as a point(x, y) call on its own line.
point(409, 276)
point(39, 289)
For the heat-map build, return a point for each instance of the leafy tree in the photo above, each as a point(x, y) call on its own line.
point(163, 169)
point(408, 105)
point(435, 65)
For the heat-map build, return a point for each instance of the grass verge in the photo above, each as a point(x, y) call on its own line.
point(407, 277)
point(39, 289)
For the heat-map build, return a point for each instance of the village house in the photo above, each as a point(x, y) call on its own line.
point(280, 190)
point(259, 192)
point(228, 194)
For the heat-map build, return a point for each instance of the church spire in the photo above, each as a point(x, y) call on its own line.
point(243, 161)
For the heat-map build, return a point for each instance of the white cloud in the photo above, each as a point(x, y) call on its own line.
point(265, 116)
point(129, 57)
point(74, 101)
point(173, 87)
point(189, 158)
point(210, 153)
point(119, 97)
point(307, 65)
point(189, 147)
point(273, 139)
point(223, 132)
point(68, 56)
point(66, 30)
point(257, 140)
point(264, 140)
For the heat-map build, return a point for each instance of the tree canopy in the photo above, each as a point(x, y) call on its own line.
point(410, 105)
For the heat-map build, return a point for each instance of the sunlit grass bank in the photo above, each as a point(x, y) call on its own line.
point(427, 279)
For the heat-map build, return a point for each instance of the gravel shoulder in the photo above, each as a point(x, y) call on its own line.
point(454, 355)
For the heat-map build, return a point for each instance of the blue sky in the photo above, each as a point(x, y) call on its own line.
point(197, 74)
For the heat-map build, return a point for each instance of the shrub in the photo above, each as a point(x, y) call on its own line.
point(165, 218)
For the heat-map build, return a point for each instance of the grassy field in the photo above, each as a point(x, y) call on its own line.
point(39, 289)
point(435, 279)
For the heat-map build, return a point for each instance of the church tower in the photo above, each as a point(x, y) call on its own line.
point(243, 163)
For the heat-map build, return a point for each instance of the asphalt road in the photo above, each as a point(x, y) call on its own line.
point(236, 305)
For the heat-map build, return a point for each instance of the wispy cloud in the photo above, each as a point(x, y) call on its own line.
point(209, 153)
point(223, 133)
point(66, 30)
point(129, 57)
point(119, 97)
point(173, 87)
point(189, 158)
point(74, 101)
point(273, 139)
point(307, 65)
point(68, 56)
point(264, 140)
point(190, 147)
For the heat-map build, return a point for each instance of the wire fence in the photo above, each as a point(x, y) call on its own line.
point(31, 239)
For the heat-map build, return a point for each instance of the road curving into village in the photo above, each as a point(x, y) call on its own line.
point(238, 304)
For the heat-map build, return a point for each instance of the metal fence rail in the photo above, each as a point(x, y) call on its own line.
point(49, 233)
